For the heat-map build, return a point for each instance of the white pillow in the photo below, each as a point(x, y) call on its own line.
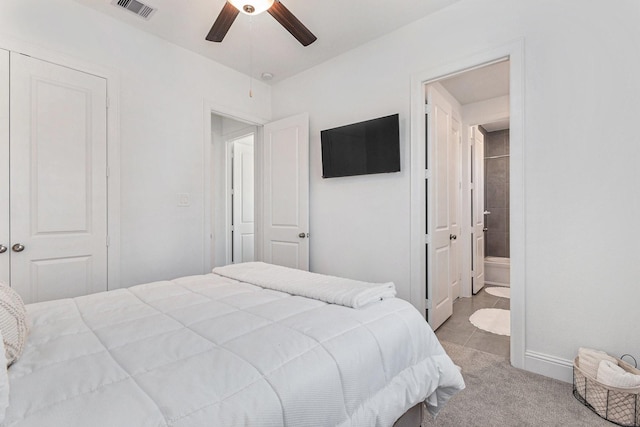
point(13, 323)
point(614, 376)
point(4, 382)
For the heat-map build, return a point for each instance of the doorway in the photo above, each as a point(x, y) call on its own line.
point(281, 184)
point(232, 190)
point(456, 108)
point(425, 195)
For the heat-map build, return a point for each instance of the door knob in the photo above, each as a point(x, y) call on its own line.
point(17, 247)
point(302, 235)
point(3, 249)
point(452, 237)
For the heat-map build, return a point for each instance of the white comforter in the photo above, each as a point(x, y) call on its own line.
point(211, 351)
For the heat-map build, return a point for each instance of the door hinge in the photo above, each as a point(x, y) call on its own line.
point(108, 171)
point(427, 304)
point(108, 241)
point(108, 102)
point(427, 108)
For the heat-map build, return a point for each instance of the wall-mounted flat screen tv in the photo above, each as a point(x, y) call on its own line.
point(362, 148)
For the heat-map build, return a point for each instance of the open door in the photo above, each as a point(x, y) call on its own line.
point(286, 192)
point(477, 208)
point(439, 125)
point(455, 202)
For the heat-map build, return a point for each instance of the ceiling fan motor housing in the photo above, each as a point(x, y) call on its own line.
point(252, 7)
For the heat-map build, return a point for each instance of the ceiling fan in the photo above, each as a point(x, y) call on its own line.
point(276, 9)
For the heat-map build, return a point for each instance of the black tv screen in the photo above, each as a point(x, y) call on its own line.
point(362, 148)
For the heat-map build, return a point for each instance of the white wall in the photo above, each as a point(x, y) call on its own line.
point(162, 93)
point(487, 111)
point(582, 98)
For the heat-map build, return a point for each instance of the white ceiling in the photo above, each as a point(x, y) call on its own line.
point(479, 84)
point(340, 25)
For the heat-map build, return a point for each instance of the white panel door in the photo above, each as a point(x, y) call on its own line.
point(4, 167)
point(286, 192)
point(58, 181)
point(455, 201)
point(439, 127)
point(478, 208)
point(242, 194)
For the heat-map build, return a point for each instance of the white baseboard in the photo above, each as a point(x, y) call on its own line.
point(549, 366)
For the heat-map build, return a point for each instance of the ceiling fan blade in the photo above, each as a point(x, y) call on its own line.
point(291, 23)
point(227, 15)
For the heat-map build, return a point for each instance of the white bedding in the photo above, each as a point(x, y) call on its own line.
point(211, 351)
point(331, 289)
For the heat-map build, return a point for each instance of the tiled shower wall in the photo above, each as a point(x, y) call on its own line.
point(496, 169)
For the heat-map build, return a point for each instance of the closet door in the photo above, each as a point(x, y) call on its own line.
point(4, 167)
point(58, 181)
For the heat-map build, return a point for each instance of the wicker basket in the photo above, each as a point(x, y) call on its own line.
point(618, 405)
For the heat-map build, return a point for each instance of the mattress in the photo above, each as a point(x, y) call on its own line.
point(213, 351)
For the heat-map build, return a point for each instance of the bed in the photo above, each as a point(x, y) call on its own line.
point(219, 350)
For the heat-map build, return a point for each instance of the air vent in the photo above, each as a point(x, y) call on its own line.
point(134, 6)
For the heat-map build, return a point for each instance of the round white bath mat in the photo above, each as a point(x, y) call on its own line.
point(499, 291)
point(494, 320)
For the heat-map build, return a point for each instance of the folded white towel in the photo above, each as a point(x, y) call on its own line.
point(589, 360)
point(614, 376)
point(334, 290)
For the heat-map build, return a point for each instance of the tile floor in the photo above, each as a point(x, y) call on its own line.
point(458, 330)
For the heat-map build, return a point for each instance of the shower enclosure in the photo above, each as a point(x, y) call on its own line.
point(496, 167)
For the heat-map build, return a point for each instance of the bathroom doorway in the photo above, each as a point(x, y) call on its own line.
point(467, 117)
point(423, 191)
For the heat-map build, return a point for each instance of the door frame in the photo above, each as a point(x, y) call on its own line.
point(5, 214)
point(513, 51)
point(209, 108)
point(112, 78)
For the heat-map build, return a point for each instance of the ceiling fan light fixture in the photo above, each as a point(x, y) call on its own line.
point(252, 7)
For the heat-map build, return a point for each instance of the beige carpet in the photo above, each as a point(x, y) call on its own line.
point(497, 394)
point(494, 320)
point(499, 291)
